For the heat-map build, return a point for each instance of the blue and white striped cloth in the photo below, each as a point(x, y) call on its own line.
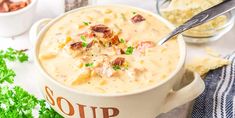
point(218, 99)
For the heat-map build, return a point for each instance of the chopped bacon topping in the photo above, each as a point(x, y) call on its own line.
point(4, 7)
point(137, 18)
point(102, 29)
point(91, 35)
point(76, 46)
point(115, 40)
point(122, 51)
point(1, 1)
point(90, 44)
point(145, 44)
point(9, 5)
point(17, 6)
point(118, 61)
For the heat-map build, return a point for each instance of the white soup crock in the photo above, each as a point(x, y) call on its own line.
point(149, 103)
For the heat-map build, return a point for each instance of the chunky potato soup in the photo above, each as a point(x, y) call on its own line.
point(108, 50)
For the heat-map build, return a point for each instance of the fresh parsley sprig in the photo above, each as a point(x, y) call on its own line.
point(15, 102)
point(6, 74)
point(12, 55)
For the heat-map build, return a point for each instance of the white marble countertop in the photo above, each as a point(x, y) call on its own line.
point(27, 74)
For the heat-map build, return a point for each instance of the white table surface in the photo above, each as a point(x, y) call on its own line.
point(27, 73)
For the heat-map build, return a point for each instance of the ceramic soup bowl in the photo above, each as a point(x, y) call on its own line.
point(148, 103)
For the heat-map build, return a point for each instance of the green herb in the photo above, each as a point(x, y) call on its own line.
point(129, 50)
point(83, 38)
point(84, 44)
point(47, 112)
point(6, 74)
point(86, 23)
point(123, 16)
point(15, 102)
point(122, 40)
point(116, 67)
point(13, 55)
point(134, 12)
point(89, 64)
point(18, 103)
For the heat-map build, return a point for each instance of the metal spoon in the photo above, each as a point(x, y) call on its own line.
point(201, 18)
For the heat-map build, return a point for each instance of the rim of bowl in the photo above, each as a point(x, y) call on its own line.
point(180, 64)
point(32, 4)
point(230, 20)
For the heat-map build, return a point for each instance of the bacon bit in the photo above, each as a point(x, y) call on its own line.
point(17, 6)
point(115, 40)
point(76, 46)
point(118, 61)
point(91, 35)
point(90, 44)
point(8, 5)
point(137, 18)
point(122, 51)
point(4, 7)
point(1, 1)
point(86, 34)
point(102, 29)
point(146, 44)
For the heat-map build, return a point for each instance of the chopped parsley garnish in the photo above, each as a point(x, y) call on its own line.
point(6, 74)
point(86, 23)
point(123, 16)
point(84, 44)
point(129, 50)
point(83, 37)
point(89, 64)
point(116, 67)
point(15, 102)
point(122, 40)
point(134, 12)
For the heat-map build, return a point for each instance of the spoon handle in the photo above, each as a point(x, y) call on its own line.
point(202, 17)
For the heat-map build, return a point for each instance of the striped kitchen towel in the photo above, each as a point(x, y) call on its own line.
point(218, 99)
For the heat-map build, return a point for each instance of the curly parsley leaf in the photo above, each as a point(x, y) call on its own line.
point(6, 74)
point(18, 103)
point(47, 112)
point(15, 102)
point(12, 55)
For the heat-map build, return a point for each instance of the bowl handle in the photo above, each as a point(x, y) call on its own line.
point(185, 94)
point(36, 28)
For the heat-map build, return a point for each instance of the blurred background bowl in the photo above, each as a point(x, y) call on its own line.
point(17, 22)
point(199, 35)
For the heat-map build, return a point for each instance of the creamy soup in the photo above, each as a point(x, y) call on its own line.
point(108, 50)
